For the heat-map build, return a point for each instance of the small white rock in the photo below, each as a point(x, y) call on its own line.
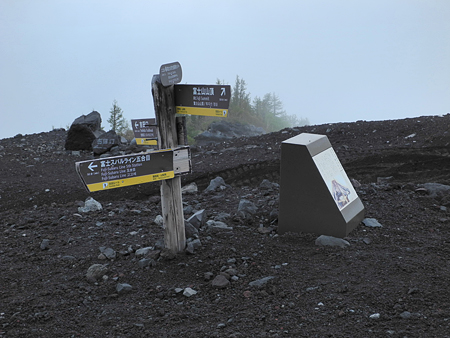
point(188, 292)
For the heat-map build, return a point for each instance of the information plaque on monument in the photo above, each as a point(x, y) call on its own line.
point(316, 195)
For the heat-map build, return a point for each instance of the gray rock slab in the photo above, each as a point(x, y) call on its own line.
point(371, 223)
point(188, 292)
point(216, 184)
point(190, 230)
point(143, 251)
point(123, 288)
point(260, 282)
point(198, 219)
point(331, 241)
point(437, 189)
point(90, 205)
point(247, 208)
point(220, 282)
point(96, 272)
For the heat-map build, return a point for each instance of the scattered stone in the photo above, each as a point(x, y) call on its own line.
point(146, 262)
point(159, 221)
point(198, 219)
point(367, 241)
point(167, 254)
point(190, 248)
point(90, 205)
point(143, 251)
point(188, 292)
point(265, 230)
point(178, 290)
point(96, 272)
point(108, 252)
point(218, 225)
point(331, 241)
point(190, 230)
point(405, 315)
point(266, 185)
point(216, 184)
point(371, 223)
point(122, 288)
point(196, 243)
point(220, 282)
point(246, 208)
point(374, 316)
point(222, 217)
point(260, 282)
point(436, 189)
point(45, 244)
point(190, 189)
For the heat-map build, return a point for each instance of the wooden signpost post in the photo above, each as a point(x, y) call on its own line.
point(171, 199)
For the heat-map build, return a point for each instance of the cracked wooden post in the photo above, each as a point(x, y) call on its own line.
point(171, 199)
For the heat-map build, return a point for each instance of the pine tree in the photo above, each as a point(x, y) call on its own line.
point(117, 121)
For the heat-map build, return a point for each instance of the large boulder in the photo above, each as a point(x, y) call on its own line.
point(220, 131)
point(83, 131)
point(105, 142)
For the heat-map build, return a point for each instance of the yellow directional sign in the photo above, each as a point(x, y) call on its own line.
point(202, 111)
point(121, 171)
point(206, 100)
point(145, 131)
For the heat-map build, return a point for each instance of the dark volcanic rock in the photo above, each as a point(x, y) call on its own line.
point(83, 131)
point(79, 137)
point(105, 142)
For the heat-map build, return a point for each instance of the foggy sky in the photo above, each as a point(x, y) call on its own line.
point(328, 61)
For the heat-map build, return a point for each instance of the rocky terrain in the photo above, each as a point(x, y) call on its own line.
point(70, 271)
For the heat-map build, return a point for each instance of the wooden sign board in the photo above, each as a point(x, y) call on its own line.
point(205, 100)
point(121, 171)
point(145, 131)
point(316, 195)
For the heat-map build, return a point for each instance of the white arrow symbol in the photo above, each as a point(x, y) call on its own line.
point(91, 165)
point(223, 92)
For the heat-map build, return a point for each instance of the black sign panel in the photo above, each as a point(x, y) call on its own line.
point(170, 73)
point(145, 131)
point(121, 171)
point(207, 100)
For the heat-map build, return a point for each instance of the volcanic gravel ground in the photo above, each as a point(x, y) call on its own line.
point(391, 281)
